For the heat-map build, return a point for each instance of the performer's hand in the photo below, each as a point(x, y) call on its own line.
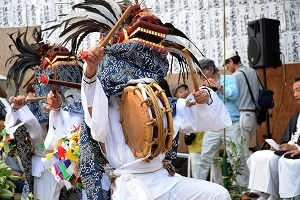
point(292, 152)
point(54, 99)
point(94, 56)
point(18, 102)
point(287, 147)
point(201, 96)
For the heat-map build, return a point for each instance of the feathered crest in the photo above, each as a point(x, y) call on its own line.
point(140, 26)
point(94, 16)
point(27, 58)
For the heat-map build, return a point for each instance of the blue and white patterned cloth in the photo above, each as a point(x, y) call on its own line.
point(130, 61)
point(68, 73)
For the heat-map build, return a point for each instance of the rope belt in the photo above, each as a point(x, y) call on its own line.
point(114, 173)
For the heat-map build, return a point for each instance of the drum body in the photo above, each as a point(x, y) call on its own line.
point(146, 119)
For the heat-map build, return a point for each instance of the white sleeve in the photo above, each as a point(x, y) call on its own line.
point(201, 117)
point(92, 95)
point(60, 124)
point(27, 119)
point(52, 135)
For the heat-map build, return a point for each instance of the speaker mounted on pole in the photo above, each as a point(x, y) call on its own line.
point(263, 47)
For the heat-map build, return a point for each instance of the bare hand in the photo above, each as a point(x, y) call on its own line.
point(94, 56)
point(201, 96)
point(287, 147)
point(210, 82)
point(15, 173)
point(23, 177)
point(272, 148)
point(54, 99)
point(18, 102)
point(292, 152)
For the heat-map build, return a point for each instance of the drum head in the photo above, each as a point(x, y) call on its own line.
point(137, 133)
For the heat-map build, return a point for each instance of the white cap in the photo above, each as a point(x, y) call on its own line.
point(230, 53)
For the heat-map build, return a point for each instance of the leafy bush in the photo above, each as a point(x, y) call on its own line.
point(234, 167)
point(6, 181)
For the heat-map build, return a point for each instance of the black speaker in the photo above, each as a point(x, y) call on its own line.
point(263, 48)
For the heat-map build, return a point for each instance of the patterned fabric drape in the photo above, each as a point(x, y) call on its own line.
point(127, 61)
point(91, 164)
point(24, 149)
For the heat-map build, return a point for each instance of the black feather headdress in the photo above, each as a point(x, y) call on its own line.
point(140, 26)
point(26, 59)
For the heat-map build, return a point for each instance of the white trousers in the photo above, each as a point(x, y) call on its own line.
point(210, 145)
point(194, 164)
point(46, 187)
point(191, 188)
point(263, 166)
point(289, 175)
point(248, 126)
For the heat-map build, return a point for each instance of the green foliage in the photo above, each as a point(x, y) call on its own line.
point(5, 183)
point(234, 167)
point(30, 197)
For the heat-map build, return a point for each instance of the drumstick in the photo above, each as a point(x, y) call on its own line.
point(45, 80)
point(64, 83)
point(192, 72)
point(83, 54)
point(54, 78)
point(12, 99)
point(36, 98)
point(117, 26)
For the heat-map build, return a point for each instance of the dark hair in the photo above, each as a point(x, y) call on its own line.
point(236, 60)
point(165, 86)
point(297, 79)
point(2, 111)
point(30, 88)
point(207, 63)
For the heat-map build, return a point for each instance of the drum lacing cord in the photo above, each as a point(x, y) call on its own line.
point(158, 121)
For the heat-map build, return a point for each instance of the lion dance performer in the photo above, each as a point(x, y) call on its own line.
point(125, 109)
point(27, 120)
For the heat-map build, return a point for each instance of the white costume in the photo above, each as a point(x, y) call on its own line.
point(138, 179)
point(263, 166)
point(60, 124)
point(273, 174)
point(289, 184)
point(45, 185)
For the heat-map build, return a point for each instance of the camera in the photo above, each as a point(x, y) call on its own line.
point(188, 139)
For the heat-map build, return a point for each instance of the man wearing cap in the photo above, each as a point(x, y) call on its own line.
point(248, 123)
point(227, 90)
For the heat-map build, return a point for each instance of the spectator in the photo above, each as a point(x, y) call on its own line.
point(227, 90)
point(275, 176)
point(193, 140)
point(13, 161)
point(248, 123)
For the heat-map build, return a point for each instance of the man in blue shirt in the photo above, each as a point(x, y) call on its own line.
point(227, 90)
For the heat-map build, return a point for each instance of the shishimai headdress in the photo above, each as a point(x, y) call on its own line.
point(51, 61)
point(137, 46)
